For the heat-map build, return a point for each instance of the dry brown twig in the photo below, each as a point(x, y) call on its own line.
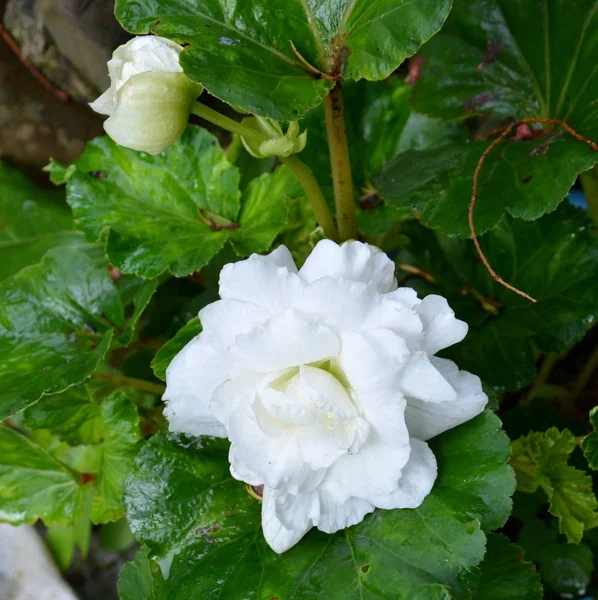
point(12, 44)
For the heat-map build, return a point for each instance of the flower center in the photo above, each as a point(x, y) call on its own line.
point(308, 395)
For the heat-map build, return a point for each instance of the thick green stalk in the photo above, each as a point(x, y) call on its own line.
point(301, 171)
point(139, 384)
point(346, 215)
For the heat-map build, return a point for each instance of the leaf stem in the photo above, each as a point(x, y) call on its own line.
point(344, 199)
point(226, 123)
point(314, 194)
point(585, 376)
point(589, 185)
point(139, 384)
point(548, 364)
point(301, 171)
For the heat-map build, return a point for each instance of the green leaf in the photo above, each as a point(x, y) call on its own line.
point(554, 259)
point(56, 324)
point(116, 536)
point(505, 575)
point(63, 540)
point(529, 60)
point(142, 298)
point(300, 229)
point(72, 415)
point(517, 177)
point(119, 448)
point(253, 44)
point(32, 221)
point(170, 211)
point(35, 485)
point(509, 60)
point(566, 568)
point(540, 461)
point(171, 348)
point(590, 443)
point(264, 212)
point(137, 579)
point(205, 529)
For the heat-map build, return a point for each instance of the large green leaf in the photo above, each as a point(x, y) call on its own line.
point(540, 461)
point(566, 568)
point(264, 212)
point(554, 259)
point(137, 578)
point(32, 221)
point(56, 323)
point(119, 448)
point(243, 52)
point(157, 209)
point(205, 529)
point(73, 415)
point(174, 210)
point(505, 575)
point(35, 485)
point(511, 59)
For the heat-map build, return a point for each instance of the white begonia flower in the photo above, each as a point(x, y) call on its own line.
point(150, 98)
point(325, 381)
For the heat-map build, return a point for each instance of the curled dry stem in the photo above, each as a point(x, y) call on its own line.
point(474, 193)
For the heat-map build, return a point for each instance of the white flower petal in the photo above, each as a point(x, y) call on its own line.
point(270, 450)
point(279, 538)
point(105, 104)
point(281, 257)
point(226, 319)
point(370, 361)
point(288, 340)
point(417, 478)
point(352, 260)
point(428, 419)
point(421, 380)
point(343, 304)
point(441, 328)
point(373, 471)
point(240, 471)
point(335, 516)
point(392, 313)
point(191, 378)
point(261, 281)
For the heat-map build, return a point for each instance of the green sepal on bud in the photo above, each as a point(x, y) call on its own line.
point(280, 143)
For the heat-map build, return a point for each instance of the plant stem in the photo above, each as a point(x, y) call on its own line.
point(314, 193)
point(226, 123)
point(341, 166)
point(585, 375)
point(589, 184)
point(549, 362)
point(301, 171)
point(140, 384)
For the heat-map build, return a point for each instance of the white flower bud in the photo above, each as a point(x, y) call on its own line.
point(325, 381)
point(150, 98)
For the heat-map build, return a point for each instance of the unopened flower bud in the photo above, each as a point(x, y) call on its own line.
point(280, 143)
point(150, 98)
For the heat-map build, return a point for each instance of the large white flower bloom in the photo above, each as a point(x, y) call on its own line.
point(150, 98)
point(325, 381)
